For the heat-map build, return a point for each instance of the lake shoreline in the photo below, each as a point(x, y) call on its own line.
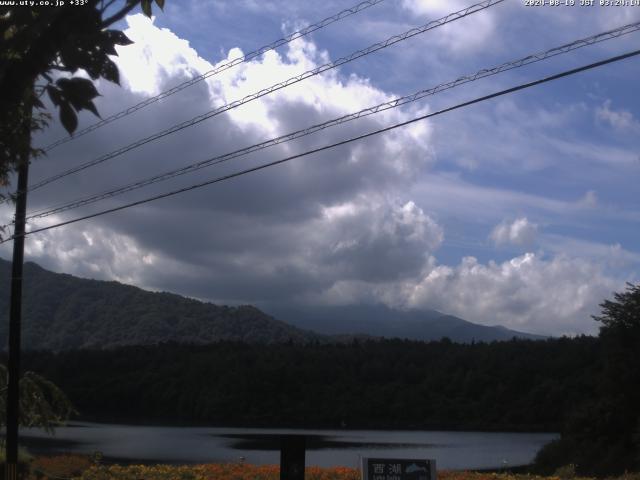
point(432, 427)
point(327, 448)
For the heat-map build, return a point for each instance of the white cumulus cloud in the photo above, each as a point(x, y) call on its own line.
point(527, 293)
point(518, 232)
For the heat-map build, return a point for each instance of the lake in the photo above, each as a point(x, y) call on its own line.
point(452, 450)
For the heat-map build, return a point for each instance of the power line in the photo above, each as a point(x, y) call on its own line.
point(298, 78)
point(220, 68)
point(343, 142)
point(534, 58)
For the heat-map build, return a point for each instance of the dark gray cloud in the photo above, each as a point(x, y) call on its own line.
point(268, 235)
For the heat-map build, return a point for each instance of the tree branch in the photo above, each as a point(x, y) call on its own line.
point(104, 7)
point(119, 15)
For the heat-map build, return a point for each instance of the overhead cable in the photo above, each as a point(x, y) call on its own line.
point(266, 91)
point(486, 72)
point(523, 86)
point(218, 69)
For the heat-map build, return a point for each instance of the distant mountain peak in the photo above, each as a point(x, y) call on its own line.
point(383, 321)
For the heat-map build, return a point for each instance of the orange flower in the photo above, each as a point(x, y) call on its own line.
point(77, 467)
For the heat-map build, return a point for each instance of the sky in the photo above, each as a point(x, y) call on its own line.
point(520, 211)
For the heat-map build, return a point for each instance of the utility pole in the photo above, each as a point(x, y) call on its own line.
point(15, 313)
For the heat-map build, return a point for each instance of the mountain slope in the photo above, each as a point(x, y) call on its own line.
point(379, 320)
point(62, 312)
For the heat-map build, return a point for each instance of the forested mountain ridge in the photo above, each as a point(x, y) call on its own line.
point(62, 312)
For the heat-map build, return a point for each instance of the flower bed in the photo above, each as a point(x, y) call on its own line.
point(78, 467)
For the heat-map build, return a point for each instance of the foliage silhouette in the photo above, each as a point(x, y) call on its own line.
point(41, 48)
point(42, 403)
point(602, 437)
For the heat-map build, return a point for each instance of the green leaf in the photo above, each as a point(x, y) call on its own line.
point(110, 72)
point(78, 88)
point(109, 39)
point(79, 92)
point(160, 3)
point(122, 39)
point(71, 57)
point(146, 7)
point(93, 68)
point(54, 94)
point(92, 108)
point(107, 47)
point(68, 118)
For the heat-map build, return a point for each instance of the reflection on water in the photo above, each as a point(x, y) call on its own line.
point(271, 441)
point(452, 450)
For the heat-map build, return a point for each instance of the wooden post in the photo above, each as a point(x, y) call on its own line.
point(15, 310)
point(292, 457)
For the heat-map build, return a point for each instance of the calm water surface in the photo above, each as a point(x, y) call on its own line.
point(452, 450)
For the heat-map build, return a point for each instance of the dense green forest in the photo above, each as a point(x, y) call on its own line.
point(516, 385)
point(65, 312)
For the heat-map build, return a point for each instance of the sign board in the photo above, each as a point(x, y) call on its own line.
point(398, 469)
